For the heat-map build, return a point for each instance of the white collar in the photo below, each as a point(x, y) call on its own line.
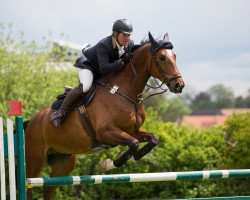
point(121, 50)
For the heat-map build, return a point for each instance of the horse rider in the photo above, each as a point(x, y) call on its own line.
point(109, 55)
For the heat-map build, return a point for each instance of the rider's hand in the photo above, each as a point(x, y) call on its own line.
point(127, 57)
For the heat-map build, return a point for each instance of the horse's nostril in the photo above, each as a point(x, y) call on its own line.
point(177, 85)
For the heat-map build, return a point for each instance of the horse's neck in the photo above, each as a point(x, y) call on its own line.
point(134, 77)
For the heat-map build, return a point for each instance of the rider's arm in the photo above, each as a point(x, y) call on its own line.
point(104, 63)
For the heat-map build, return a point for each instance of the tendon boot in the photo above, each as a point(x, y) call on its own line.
point(72, 97)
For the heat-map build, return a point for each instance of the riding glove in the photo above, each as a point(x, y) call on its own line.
point(127, 57)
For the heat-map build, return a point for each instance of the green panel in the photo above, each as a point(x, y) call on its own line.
point(21, 166)
point(120, 179)
point(66, 180)
point(226, 198)
point(87, 179)
point(189, 176)
point(6, 145)
point(239, 174)
point(216, 174)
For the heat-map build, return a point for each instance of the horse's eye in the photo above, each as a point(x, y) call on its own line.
point(162, 57)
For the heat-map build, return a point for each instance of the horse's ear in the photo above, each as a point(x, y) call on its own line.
point(151, 39)
point(166, 37)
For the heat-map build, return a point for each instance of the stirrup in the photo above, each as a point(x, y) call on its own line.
point(56, 115)
point(57, 118)
point(57, 121)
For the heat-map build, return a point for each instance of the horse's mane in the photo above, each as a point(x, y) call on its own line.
point(136, 46)
point(158, 44)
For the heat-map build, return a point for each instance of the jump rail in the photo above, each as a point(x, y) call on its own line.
point(142, 177)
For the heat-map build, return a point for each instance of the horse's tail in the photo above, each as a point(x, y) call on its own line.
point(25, 124)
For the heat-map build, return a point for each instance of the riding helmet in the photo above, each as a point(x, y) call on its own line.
point(123, 25)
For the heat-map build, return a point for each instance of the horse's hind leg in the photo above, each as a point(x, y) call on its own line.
point(35, 157)
point(61, 165)
point(34, 165)
point(151, 140)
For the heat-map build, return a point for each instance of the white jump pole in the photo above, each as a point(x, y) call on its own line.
point(2, 165)
point(11, 158)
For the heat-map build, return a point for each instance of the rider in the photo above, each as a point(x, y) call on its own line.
point(109, 55)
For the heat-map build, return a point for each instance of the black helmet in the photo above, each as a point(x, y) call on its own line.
point(122, 25)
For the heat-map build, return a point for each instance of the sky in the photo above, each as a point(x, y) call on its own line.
point(211, 37)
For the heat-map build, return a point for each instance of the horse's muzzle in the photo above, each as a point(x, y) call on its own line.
point(176, 85)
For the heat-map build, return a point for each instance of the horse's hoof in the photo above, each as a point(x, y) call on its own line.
point(106, 165)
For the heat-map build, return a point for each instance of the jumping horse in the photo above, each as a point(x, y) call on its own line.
point(116, 113)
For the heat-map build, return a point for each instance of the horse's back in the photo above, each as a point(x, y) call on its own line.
point(34, 137)
point(69, 138)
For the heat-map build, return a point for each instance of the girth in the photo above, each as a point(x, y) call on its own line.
point(91, 131)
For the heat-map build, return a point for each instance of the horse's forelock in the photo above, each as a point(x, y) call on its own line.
point(161, 44)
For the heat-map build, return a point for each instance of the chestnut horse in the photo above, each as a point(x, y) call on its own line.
point(116, 116)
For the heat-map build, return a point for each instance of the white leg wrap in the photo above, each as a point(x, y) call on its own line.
point(106, 165)
point(86, 78)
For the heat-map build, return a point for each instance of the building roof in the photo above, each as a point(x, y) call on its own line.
point(206, 118)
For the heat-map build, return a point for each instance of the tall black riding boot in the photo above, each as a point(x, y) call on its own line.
point(58, 116)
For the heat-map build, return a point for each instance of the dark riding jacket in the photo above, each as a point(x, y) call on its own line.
point(103, 58)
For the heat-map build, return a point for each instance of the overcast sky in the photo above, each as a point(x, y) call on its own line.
point(211, 37)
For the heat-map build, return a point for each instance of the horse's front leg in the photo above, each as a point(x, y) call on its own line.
point(151, 140)
point(120, 138)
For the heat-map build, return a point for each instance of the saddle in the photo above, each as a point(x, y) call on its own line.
point(83, 101)
point(81, 106)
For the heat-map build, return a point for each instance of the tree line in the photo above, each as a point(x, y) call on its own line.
point(217, 96)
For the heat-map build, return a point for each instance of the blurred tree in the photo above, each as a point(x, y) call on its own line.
point(168, 108)
point(57, 52)
point(216, 97)
point(26, 74)
point(201, 101)
point(247, 99)
point(175, 110)
point(237, 137)
point(240, 102)
point(156, 102)
point(221, 96)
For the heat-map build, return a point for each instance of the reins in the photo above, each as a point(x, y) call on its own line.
point(114, 90)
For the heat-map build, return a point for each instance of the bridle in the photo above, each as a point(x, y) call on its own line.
point(165, 78)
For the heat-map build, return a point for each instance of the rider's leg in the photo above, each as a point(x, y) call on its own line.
point(70, 99)
point(86, 79)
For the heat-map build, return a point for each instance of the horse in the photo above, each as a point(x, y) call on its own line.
point(116, 113)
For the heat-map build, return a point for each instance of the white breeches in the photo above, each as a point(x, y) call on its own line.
point(86, 78)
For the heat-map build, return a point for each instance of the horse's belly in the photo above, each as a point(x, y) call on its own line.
point(70, 140)
point(72, 146)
